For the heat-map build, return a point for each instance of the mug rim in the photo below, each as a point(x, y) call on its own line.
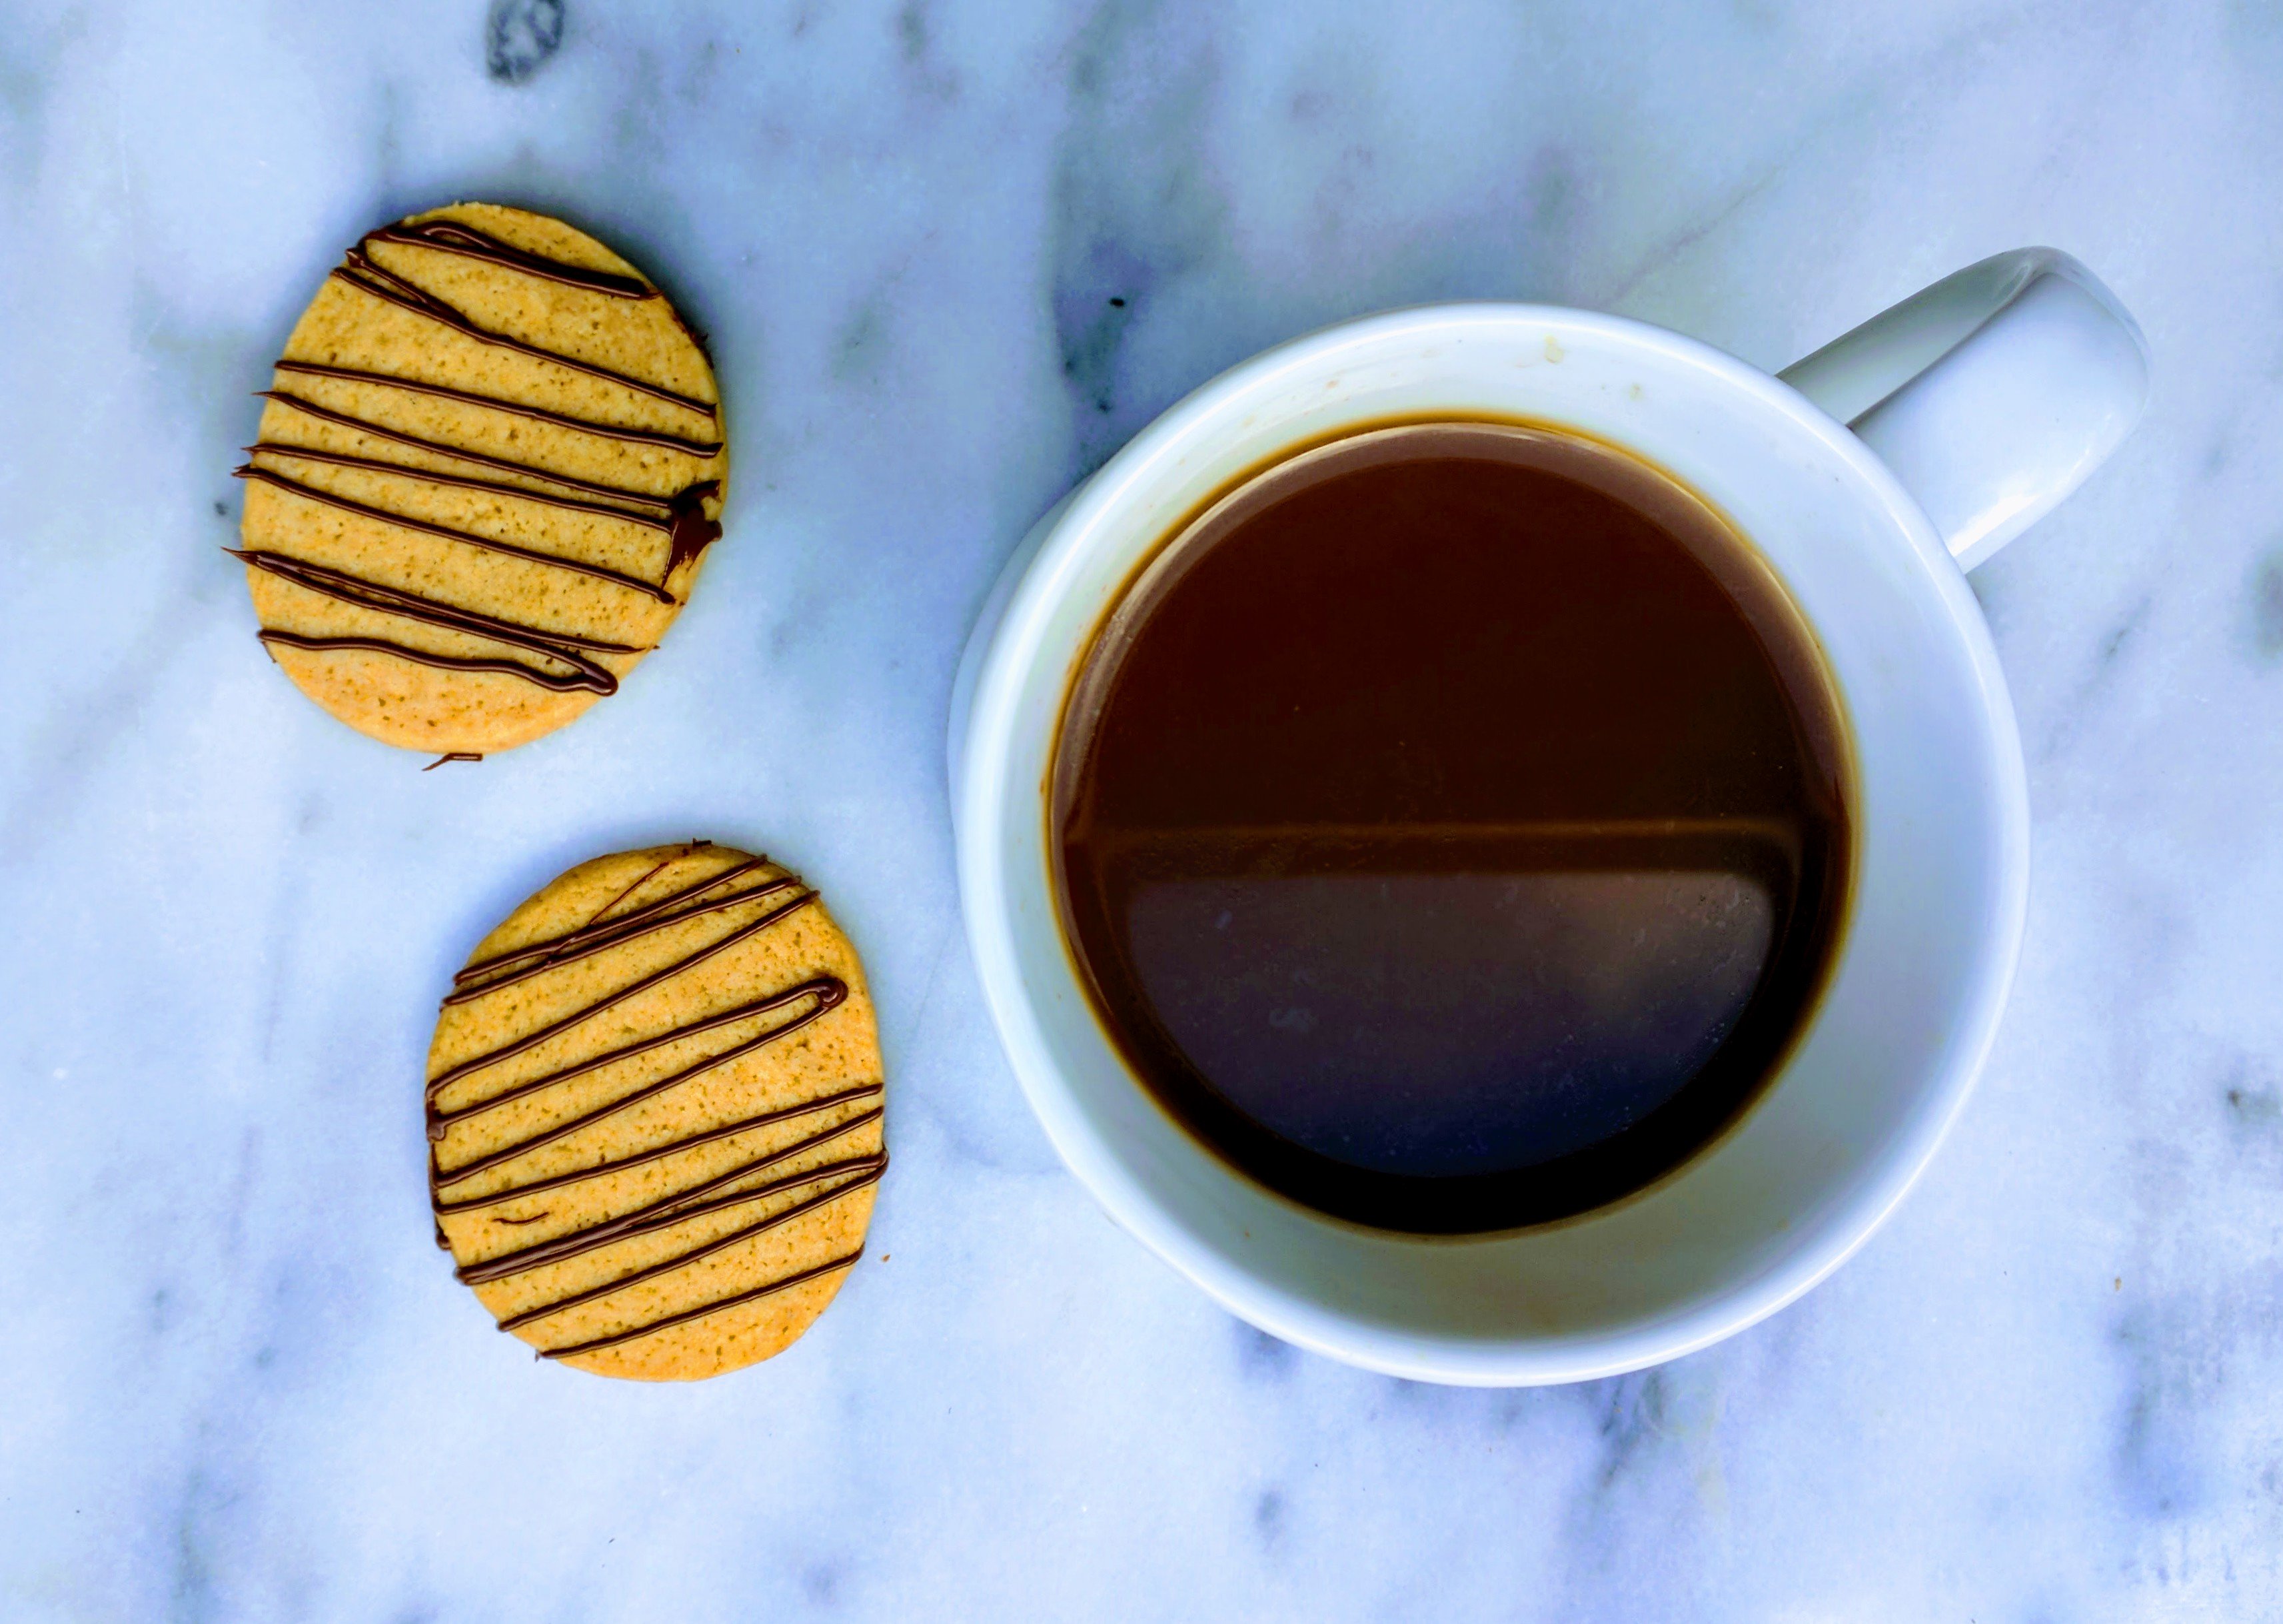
point(1042, 574)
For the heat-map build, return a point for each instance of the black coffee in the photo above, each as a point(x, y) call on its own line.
point(1452, 826)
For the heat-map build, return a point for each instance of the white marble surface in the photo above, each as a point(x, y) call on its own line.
point(237, 1381)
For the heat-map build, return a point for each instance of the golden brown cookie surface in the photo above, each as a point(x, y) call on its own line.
point(488, 471)
point(654, 1106)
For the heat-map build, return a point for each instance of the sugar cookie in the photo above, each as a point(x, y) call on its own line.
point(490, 464)
point(654, 1104)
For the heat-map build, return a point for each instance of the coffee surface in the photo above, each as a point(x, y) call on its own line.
point(1450, 826)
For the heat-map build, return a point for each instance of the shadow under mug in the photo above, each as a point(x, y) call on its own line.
point(1870, 475)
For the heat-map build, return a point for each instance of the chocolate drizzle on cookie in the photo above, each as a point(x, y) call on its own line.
point(783, 1283)
point(677, 518)
point(359, 269)
point(342, 586)
point(766, 1020)
point(489, 403)
point(679, 1208)
point(690, 531)
point(405, 521)
point(489, 975)
point(461, 481)
point(454, 237)
point(727, 1130)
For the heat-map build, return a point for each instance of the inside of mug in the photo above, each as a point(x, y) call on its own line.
point(1909, 1005)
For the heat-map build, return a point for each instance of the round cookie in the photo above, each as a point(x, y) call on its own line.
point(654, 1106)
point(489, 468)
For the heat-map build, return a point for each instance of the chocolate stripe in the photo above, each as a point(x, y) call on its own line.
point(782, 1284)
point(530, 1041)
point(662, 1215)
point(684, 1260)
point(394, 600)
point(595, 918)
point(727, 1130)
point(595, 925)
point(326, 414)
point(563, 1130)
point(827, 990)
point(585, 425)
point(455, 237)
point(429, 476)
point(359, 593)
point(552, 945)
point(582, 944)
point(386, 284)
point(405, 521)
point(441, 662)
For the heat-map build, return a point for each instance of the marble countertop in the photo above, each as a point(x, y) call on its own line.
point(235, 1380)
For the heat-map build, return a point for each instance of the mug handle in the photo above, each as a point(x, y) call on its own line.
point(1991, 395)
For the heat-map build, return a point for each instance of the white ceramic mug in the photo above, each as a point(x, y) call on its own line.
point(1870, 474)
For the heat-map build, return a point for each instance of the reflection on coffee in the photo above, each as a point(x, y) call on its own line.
point(1450, 826)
